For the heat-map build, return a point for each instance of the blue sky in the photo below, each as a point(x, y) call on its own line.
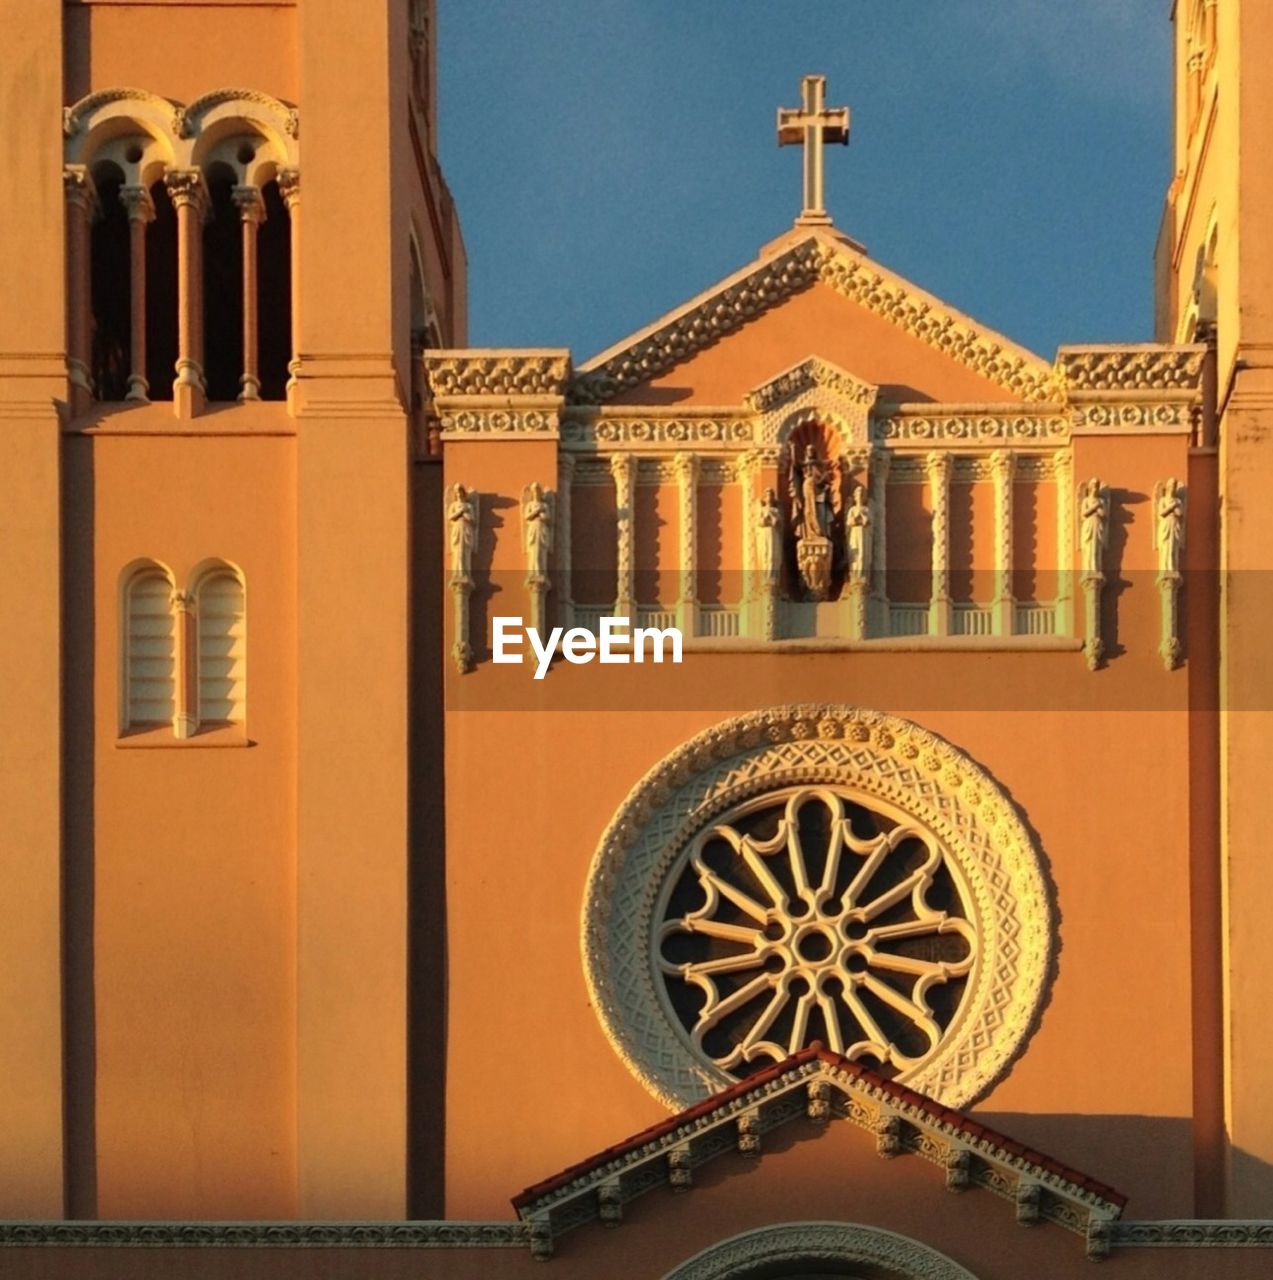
point(611, 158)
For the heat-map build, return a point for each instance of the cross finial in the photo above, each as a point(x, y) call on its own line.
point(812, 125)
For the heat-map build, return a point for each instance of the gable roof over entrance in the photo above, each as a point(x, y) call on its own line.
point(818, 1085)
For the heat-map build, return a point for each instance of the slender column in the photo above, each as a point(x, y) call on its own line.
point(687, 485)
point(881, 460)
point(251, 214)
point(185, 716)
point(623, 469)
point(81, 207)
point(289, 186)
point(1003, 465)
point(1063, 467)
point(141, 211)
point(565, 583)
point(938, 465)
point(185, 186)
point(1209, 27)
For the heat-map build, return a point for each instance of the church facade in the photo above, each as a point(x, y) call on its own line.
point(891, 904)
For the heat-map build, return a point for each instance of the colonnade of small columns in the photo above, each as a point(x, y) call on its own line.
point(188, 191)
point(759, 469)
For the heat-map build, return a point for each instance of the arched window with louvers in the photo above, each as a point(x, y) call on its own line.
point(221, 646)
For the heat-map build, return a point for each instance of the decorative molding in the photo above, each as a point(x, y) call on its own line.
point(1190, 1233)
point(75, 118)
point(1003, 465)
point(717, 470)
point(497, 373)
point(814, 390)
point(968, 428)
point(187, 120)
point(809, 375)
point(267, 1235)
point(696, 433)
point(887, 761)
point(817, 259)
point(938, 465)
point(494, 423)
point(623, 471)
point(792, 1245)
point(1139, 368)
point(1132, 417)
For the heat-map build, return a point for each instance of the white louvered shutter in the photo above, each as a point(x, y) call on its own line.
point(150, 663)
point(222, 650)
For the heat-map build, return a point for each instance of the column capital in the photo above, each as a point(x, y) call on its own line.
point(136, 199)
point(1003, 464)
point(289, 187)
point(686, 466)
point(81, 193)
point(250, 204)
point(187, 189)
point(937, 462)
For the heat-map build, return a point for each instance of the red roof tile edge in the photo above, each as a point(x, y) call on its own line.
point(817, 1051)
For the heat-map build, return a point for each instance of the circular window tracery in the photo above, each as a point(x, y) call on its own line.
point(817, 872)
point(808, 915)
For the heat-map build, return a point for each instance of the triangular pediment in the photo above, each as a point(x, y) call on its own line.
point(814, 293)
point(821, 1086)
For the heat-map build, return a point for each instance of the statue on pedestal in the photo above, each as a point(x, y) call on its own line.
point(812, 511)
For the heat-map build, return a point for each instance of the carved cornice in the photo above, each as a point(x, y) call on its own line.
point(453, 374)
point(268, 1235)
point(775, 279)
point(816, 1086)
point(1133, 369)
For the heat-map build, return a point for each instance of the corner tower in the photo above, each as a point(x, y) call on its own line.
point(1214, 266)
point(236, 242)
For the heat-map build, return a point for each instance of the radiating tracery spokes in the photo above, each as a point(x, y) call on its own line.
point(788, 924)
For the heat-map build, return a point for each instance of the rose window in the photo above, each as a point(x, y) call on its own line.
point(813, 914)
point(817, 872)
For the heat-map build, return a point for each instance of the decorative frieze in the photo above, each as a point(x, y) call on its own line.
point(498, 422)
point(698, 433)
point(971, 428)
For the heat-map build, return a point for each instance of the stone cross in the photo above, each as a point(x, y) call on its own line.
point(812, 126)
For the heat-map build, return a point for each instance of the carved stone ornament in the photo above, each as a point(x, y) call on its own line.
point(818, 259)
point(813, 509)
point(497, 373)
point(461, 506)
point(1169, 541)
point(1138, 368)
point(814, 390)
point(964, 946)
point(805, 1246)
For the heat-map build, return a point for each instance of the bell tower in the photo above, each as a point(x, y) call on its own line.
point(233, 243)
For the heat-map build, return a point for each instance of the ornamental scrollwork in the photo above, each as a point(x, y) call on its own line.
point(961, 880)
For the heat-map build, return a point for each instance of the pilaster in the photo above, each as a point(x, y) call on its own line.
point(33, 384)
point(937, 465)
